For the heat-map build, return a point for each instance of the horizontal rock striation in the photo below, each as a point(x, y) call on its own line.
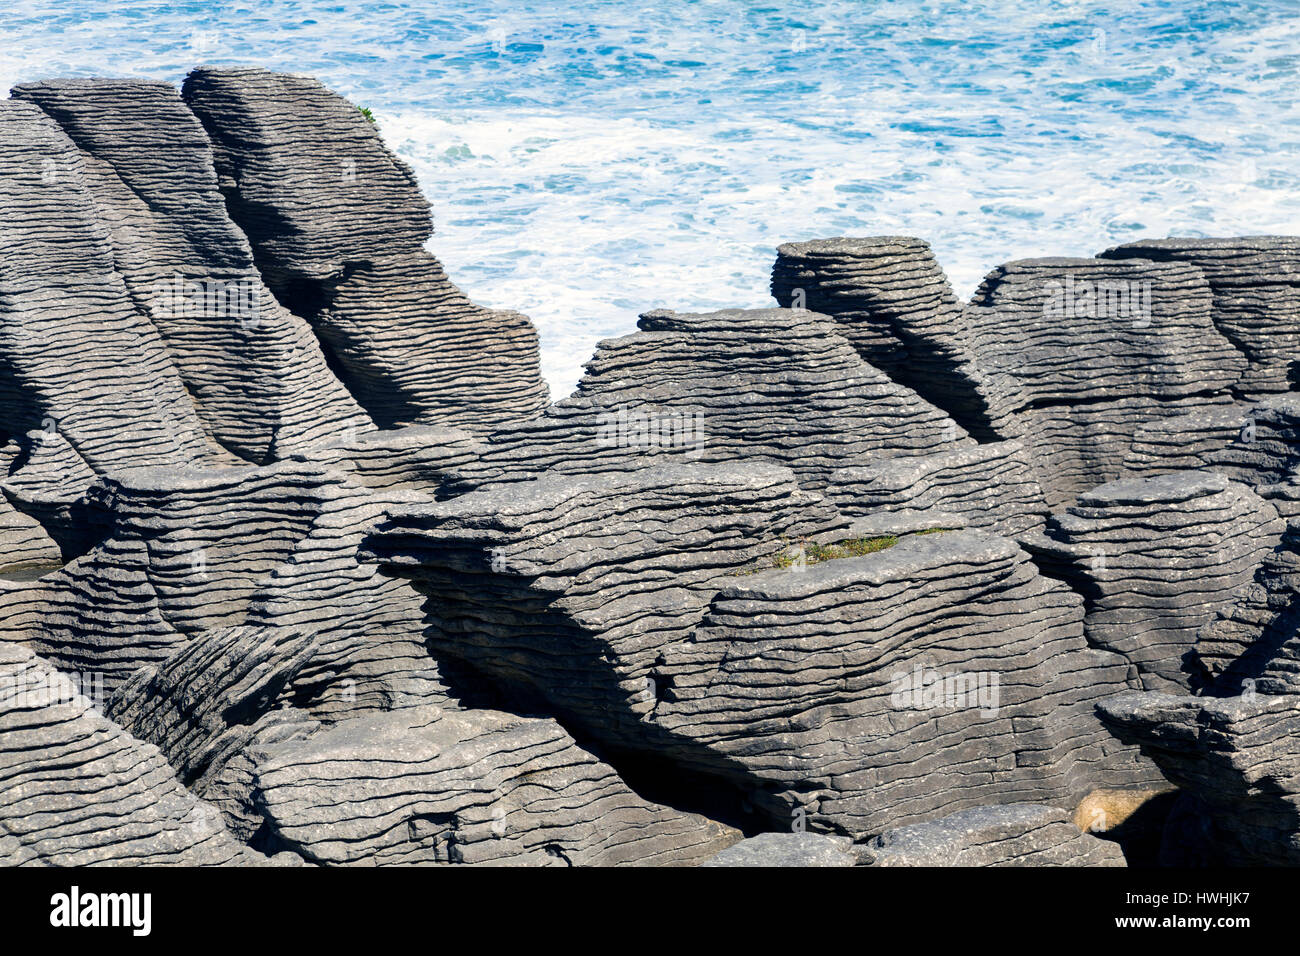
point(992, 486)
point(771, 385)
point(1096, 349)
point(80, 361)
point(1255, 282)
point(255, 371)
point(894, 304)
point(1156, 559)
point(75, 790)
point(270, 548)
point(1071, 357)
point(337, 226)
point(566, 588)
point(774, 385)
point(1252, 644)
point(417, 458)
point(615, 602)
point(298, 565)
point(476, 787)
point(1237, 756)
point(837, 693)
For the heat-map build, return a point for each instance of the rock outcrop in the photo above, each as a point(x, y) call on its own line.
point(1236, 757)
point(622, 604)
point(255, 372)
point(894, 304)
point(1071, 357)
point(337, 226)
point(297, 565)
point(1255, 283)
point(271, 548)
point(88, 379)
point(788, 849)
point(1156, 559)
point(75, 790)
point(766, 385)
point(478, 787)
point(1016, 834)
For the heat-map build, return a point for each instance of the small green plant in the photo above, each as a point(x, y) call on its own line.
point(370, 117)
point(809, 552)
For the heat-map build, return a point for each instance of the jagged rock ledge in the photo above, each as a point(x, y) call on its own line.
point(299, 566)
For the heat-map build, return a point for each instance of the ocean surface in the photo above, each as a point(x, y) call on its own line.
point(590, 160)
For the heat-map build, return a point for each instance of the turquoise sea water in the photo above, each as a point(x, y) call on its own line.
point(590, 160)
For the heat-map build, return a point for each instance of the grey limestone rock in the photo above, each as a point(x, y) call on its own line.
point(894, 304)
point(76, 790)
point(270, 548)
point(1071, 357)
point(623, 603)
point(427, 785)
point(1157, 559)
point(337, 225)
point(82, 362)
point(255, 371)
point(1015, 834)
point(788, 849)
point(765, 385)
point(1236, 755)
point(1255, 283)
point(331, 581)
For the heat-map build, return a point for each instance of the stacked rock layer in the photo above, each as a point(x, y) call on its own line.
point(298, 565)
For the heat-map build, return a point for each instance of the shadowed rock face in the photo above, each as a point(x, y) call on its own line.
point(337, 225)
point(1156, 559)
point(80, 362)
point(255, 371)
point(1071, 357)
point(616, 601)
point(1017, 834)
point(343, 586)
point(1237, 756)
point(894, 304)
point(431, 786)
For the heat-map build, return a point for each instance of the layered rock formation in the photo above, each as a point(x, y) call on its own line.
point(298, 566)
point(89, 386)
point(894, 304)
point(478, 787)
point(337, 225)
point(1156, 559)
point(75, 790)
point(1069, 356)
point(773, 385)
point(255, 372)
point(624, 605)
point(1235, 759)
point(1255, 284)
